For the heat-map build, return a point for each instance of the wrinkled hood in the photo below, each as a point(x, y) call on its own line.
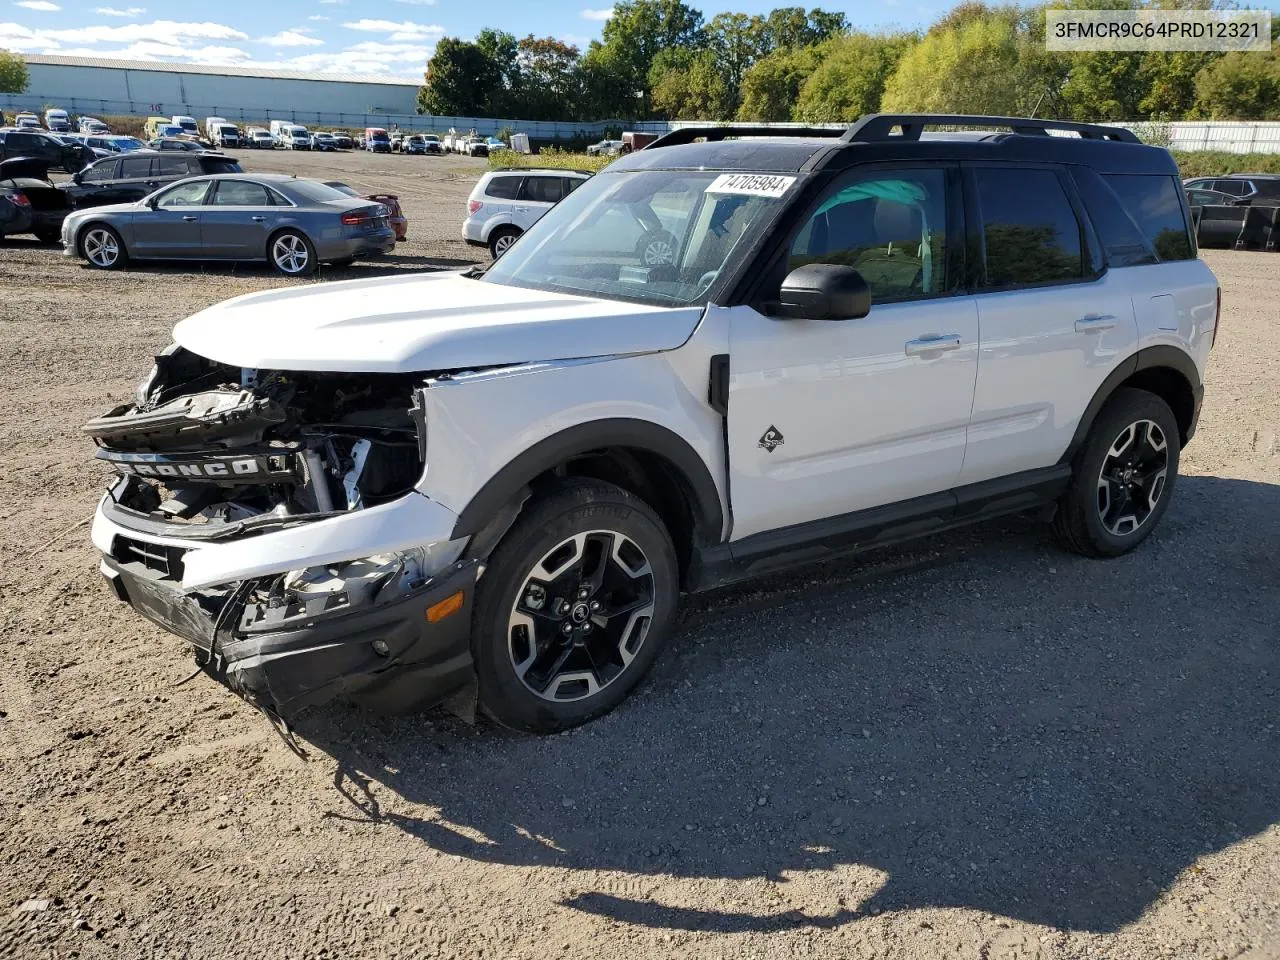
point(429, 321)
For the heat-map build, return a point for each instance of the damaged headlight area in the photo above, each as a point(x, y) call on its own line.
point(213, 444)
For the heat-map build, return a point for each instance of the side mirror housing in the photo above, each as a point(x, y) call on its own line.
point(824, 291)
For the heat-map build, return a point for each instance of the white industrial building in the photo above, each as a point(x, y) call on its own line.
point(88, 85)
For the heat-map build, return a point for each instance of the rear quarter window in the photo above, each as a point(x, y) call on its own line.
point(503, 188)
point(1123, 242)
point(1154, 202)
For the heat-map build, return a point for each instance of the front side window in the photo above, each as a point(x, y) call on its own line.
point(99, 172)
point(1029, 228)
point(189, 194)
point(662, 237)
point(890, 226)
point(1153, 202)
point(241, 193)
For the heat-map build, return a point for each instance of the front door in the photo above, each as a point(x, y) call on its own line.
point(831, 417)
point(171, 228)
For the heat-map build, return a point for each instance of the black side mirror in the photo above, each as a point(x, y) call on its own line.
point(824, 291)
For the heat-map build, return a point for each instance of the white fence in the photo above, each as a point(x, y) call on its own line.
point(1228, 136)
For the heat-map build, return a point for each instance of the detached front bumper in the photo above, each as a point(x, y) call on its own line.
point(389, 657)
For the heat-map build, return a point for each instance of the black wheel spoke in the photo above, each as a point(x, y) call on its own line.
point(548, 665)
point(597, 558)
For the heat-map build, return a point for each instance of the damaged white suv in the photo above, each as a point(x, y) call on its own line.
point(499, 483)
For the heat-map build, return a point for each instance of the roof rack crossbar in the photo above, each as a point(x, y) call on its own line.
point(879, 126)
point(716, 133)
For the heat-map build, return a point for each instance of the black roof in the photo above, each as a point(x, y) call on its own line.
point(809, 149)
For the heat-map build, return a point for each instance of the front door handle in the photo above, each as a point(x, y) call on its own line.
point(1094, 324)
point(258, 219)
point(190, 219)
point(933, 343)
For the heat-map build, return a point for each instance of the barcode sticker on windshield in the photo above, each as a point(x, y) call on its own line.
point(751, 184)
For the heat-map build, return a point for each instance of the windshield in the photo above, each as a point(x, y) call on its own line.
point(653, 236)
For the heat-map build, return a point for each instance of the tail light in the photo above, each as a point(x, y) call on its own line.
point(355, 219)
point(20, 199)
point(1217, 320)
point(473, 207)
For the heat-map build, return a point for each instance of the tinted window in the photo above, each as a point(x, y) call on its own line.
point(571, 184)
point(23, 141)
point(316, 191)
point(99, 171)
point(173, 166)
point(1237, 188)
point(135, 168)
point(542, 189)
point(1029, 228)
point(1267, 188)
point(219, 165)
point(1154, 203)
point(188, 194)
point(503, 188)
point(891, 226)
point(1122, 241)
point(241, 193)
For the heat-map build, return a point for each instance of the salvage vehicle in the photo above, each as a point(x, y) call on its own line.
point(505, 203)
point(29, 201)
point(293, 224)
point(134, 175)
point(395, 215)
point(57, 120)
point(38, 145)
point(493, 486)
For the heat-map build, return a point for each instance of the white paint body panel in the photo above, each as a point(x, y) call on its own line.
point(410, 521)
point(431, 321)
point(863, 423)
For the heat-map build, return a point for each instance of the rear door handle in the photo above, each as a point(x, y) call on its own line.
point(934, 343)
point(190, 219)
point(1095, 324)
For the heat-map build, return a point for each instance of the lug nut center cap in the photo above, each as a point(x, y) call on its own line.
point(580, 613)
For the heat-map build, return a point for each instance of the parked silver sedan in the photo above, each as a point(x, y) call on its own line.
point(293, 224)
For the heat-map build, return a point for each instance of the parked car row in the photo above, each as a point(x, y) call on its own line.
point(505, 203)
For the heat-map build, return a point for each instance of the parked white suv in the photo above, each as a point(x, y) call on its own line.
point(506, 203)
point(498, 482)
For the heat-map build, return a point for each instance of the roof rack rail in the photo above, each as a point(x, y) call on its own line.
point(879, 126)
point(721, 131)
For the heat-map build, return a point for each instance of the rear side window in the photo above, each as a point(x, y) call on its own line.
point(1155, 204)
point(571, 184)
point(1029, 228)
point(241, 193)
point(135, 168)
point(173, 166)
point(503, 188)
point(99, 172)
point(1237, 188)
point(542, 189)
point(1122, 240)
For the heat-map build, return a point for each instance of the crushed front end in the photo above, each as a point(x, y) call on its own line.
point(271, 520)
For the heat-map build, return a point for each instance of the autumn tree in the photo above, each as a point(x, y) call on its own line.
point(13, 73)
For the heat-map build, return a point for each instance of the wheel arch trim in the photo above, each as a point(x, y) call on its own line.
point(508, 483)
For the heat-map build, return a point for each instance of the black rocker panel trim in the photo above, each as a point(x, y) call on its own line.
point(1158, 356)
point(507, 483)
point(816, 540)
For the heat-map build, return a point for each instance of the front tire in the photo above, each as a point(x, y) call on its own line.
point(576, 604)
point(102, 247)
point(1123, 478)
point(291, 254)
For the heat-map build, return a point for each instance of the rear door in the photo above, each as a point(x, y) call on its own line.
point(172, 227)
point(537, 195)
point(137, 178)
point(1054, 321)
point(237, 219)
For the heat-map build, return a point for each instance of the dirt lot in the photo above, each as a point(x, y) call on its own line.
point(979, 747)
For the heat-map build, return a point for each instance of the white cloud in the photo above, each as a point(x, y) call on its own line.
point(127, 12)
point(597, 14)
point(292, 38)
point(44, 6)
point(317, 16)
point(403, 30)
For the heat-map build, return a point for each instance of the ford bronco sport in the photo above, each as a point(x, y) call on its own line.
point(497, 483)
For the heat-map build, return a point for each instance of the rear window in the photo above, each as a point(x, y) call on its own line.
point(503, 188)
point(316, 191)
point(1155, 204)
point(220, 165)
point(1031, 231)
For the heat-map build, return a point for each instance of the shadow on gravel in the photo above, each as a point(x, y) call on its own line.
point(991, 722)
point(391, 265)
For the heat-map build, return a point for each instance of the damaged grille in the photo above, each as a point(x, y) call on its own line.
point(166, 561)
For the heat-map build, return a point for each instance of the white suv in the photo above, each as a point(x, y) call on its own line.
point(506, 203)
point(496, 484)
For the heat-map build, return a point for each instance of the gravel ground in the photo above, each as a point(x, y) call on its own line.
point(977, 747)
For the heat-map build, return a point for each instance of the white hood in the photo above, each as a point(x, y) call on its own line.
point(425, 321)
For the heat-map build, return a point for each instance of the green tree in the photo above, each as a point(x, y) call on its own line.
point(631, 39)
point(691, 86)
point(1239, 86)
point(13, 73)
point(849, 81)
point(500, 52)
point(795, 27)
point(550, 81)
point(737, 42)
point(772, 85)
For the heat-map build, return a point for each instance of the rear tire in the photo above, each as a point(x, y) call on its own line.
point(1123, 477)
point(291, 254)
point(501, 239)
point(575, 605)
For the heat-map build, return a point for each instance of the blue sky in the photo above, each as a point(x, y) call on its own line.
point(334, 36)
